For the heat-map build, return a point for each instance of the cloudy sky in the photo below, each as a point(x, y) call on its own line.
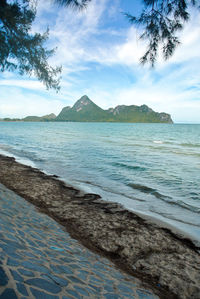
point(99, 52)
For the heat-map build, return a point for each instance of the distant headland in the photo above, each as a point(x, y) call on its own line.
point(85, 110)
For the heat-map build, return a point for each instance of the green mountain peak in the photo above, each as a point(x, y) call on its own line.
point(82, 103)
point(84, 110)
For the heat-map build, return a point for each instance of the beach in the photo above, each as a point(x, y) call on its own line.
point(163, 260)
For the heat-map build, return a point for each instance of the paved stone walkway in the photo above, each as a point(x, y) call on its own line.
point(38, 259)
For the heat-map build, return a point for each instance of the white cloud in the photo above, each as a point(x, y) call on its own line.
point(82, 38)
point(73, 32)
point(190, 41)
point(30, 84)
point(175, 91)
point(79, 36)
point(15, 103)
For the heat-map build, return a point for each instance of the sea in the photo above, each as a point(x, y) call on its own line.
point(151, 169)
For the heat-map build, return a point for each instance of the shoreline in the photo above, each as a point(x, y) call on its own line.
point(152, 219)
point(163, 260)
point(174, 230)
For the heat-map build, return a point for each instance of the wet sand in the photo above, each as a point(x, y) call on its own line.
point(162, 259)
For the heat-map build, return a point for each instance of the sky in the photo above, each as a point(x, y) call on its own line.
point(99, 52)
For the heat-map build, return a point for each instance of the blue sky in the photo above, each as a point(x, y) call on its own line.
point(100, 52)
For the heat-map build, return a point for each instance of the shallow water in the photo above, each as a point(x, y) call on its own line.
point(153, 169)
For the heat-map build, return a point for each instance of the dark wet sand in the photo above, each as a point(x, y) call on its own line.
point(167, 263)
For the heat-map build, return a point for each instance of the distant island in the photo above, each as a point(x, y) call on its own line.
point(84, 110)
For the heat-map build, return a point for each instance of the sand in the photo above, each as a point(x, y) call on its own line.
point(167, 263)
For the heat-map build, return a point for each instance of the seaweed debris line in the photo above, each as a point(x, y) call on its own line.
point(161, 259)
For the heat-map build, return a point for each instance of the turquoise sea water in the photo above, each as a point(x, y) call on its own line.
point(153, 169)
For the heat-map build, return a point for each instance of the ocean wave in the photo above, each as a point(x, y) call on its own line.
point(110, 191)
point(158, 141)
point(172, 217)
point(190, 145)
point(20, 153)
point(28, 155)
point(183, 153)
point(148, 190)
point(168, 199)
point(185, 205)
point(131, 167)
point(195, 196)
point(5, 147)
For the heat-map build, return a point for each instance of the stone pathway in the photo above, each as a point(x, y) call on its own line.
point(38, 259)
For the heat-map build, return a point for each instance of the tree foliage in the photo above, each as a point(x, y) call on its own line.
point(22, 50)
point(25, 52)
point(73, 3)
point(161, 20)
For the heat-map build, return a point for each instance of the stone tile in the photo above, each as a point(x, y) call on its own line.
point(97, 289)
point(28, 254)
point(37, 261)
point(10, 229)
point(22, 289)
point(13, 263)
point(144, 294)
point(44, 284)
point(101, 275)
point(128, 296)
point(16, 276)
point(124, 289)
point(67, 259)
point(2, 256)
point(8, 294)
point(2, 236)
point(61, 269)
point(36, 236)
point(21, 233)
point(40, 244)
point(11, 236)
point(92, 292)
point(95, 280)
point(56, 279)
point(42, 295)
point(3, 277)
point(74, 279)
point(74, 293)
point(82, 275)
point(81, 291)
point(112, 296)
point(14, 244)
point(109, 288)
point(74, 266)
point(26, 272)
point(8, 250)
point(30, 266)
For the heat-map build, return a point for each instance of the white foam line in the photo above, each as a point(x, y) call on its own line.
point(158, 141)
point(18, 159)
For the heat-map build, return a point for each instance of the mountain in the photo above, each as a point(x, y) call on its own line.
point(141, 113)
point(84, 110)
point(48, 117)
